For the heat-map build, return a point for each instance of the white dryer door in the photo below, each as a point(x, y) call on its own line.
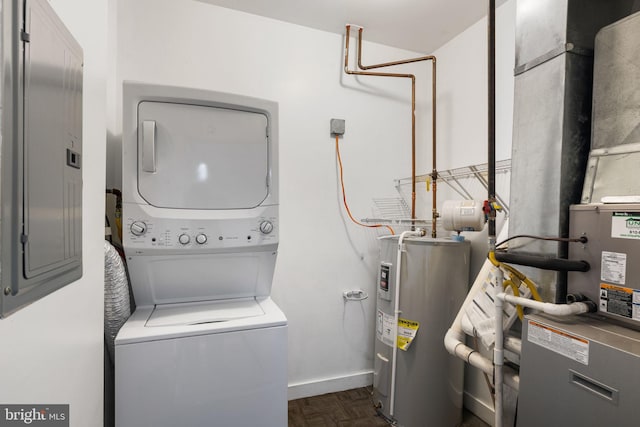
point(197, 157)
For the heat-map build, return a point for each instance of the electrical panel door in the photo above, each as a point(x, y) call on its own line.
point(41, 154)
point(52, 148)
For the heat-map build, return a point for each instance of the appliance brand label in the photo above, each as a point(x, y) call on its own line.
point(558, 341)
point(625, 225)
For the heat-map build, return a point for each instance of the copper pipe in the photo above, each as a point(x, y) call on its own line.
point(413, 107)
point(434, 173)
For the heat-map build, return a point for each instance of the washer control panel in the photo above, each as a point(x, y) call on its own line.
point(151, 234)
point(138, 228)
point(266, 227)
point(184, 239)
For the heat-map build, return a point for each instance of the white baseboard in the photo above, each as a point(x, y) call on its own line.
point(329, 385)
point(479, 408)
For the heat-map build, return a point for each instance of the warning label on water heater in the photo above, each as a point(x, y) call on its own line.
point(568, 345)
point(385, 328)
point(407, 330)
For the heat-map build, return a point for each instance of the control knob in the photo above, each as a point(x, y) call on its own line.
point(201, 239)
point(266, 227)
point(184, 238)
point(138, 228)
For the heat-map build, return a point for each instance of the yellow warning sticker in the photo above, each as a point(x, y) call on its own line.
point(407, 331)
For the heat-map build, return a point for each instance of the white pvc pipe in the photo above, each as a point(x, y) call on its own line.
point(498, 348)
point(513, 344)
point(547, 307)
point(454, 344)
point(396, 311)
point(454, 338)
point(511, 378)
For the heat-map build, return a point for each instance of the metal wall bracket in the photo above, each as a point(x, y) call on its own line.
point(355, 295)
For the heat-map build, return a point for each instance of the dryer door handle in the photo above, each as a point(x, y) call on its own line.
point(149, 146)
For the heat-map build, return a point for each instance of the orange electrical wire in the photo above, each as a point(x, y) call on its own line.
point(344, 195)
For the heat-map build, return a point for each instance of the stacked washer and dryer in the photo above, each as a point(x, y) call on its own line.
point(206, 345)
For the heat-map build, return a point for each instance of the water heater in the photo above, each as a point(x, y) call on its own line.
point(433, 283)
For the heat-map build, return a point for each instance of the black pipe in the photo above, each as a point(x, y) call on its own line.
point(491, 123)
point(544, 263)
point(571, 298)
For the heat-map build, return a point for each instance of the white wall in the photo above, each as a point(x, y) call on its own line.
point(52, 350)
point(56, 343)
point(189, 43)
point(462, 90)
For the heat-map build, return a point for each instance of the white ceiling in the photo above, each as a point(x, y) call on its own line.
point(417, 25)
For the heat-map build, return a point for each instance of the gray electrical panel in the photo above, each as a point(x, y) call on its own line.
point(578, 371)
point(41, 157)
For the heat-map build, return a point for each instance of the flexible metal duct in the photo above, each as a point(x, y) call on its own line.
point(117, 308)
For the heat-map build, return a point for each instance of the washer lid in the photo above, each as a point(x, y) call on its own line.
point(205, 312)
point(135, 330)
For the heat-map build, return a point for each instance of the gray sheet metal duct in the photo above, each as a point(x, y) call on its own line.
point(615, 147)
point(117, 307)
point(552, 120)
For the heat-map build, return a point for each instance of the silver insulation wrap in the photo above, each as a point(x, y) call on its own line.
point(116, 296)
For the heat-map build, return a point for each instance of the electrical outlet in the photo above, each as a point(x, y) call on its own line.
point(337, 127)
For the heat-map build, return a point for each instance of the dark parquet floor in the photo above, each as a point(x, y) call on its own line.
point(350, 408)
